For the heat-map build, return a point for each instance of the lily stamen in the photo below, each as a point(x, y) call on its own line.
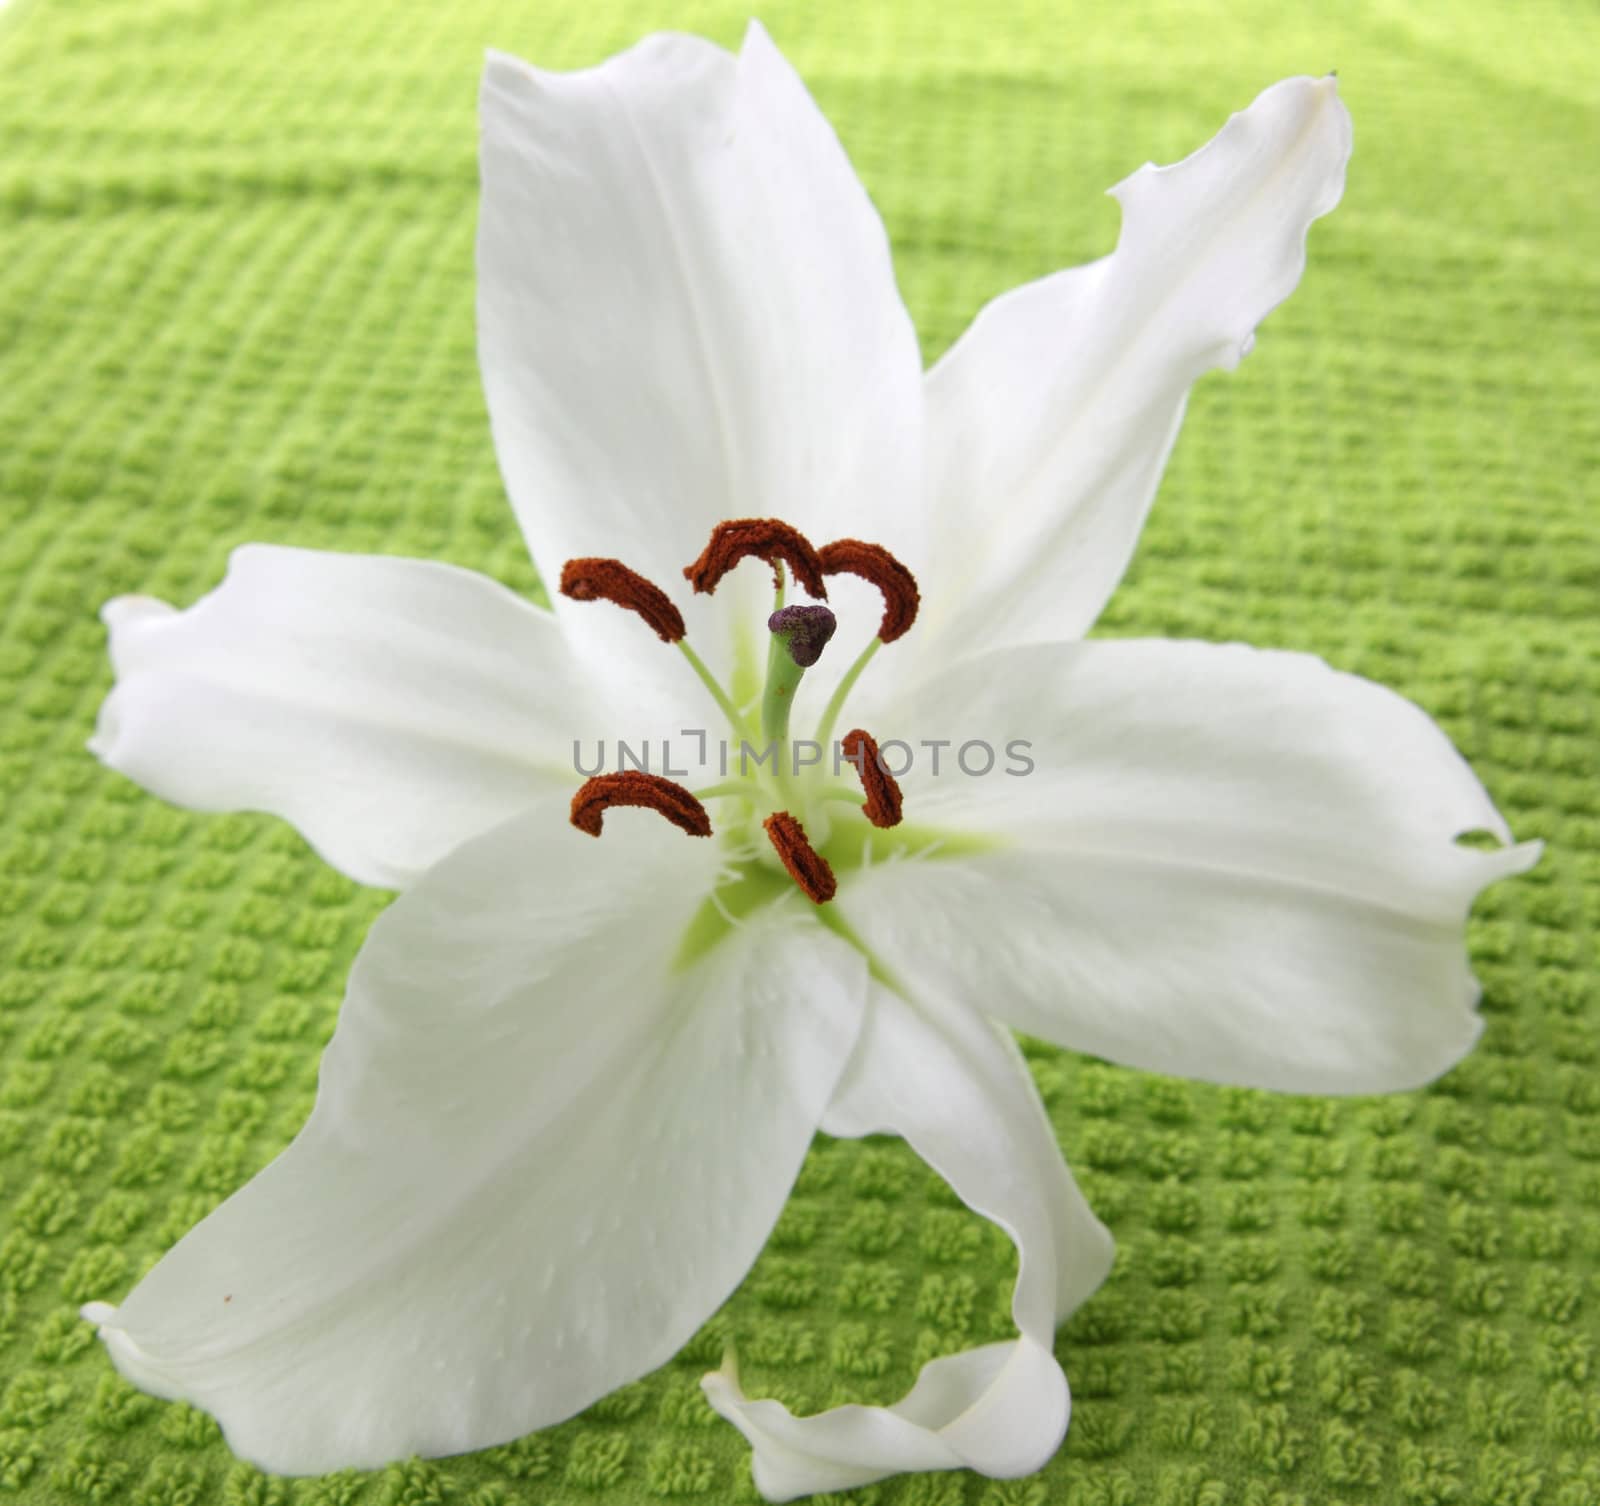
point(769, 539)
point(806, 866)
point(884, 801)
point(595, 579)
point(611, 580)
point(631, 787)
point(875, 565)
point(901, 598)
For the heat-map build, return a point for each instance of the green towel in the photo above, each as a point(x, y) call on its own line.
point(236, 302)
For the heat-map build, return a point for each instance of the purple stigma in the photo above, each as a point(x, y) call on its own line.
point(805, 631)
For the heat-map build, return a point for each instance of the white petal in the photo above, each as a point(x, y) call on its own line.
point(1050, 421)
point(686, 310)
point(1227, 864)
point(957, 1088)
point(540, 1157)
point(389, 708)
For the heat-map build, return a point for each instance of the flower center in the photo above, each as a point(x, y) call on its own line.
point(786, 795)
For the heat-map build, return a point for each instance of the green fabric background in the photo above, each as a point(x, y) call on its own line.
point(236, 303)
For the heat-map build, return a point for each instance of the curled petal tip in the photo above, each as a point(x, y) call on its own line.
point(1518, 857)
point(727, 1370)
point(495, 61)
point(101, 1314)
point(120, 610)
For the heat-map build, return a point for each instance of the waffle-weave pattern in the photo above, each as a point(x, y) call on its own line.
point(236, 303)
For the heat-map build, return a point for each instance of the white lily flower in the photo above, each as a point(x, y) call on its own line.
point(573, 1079)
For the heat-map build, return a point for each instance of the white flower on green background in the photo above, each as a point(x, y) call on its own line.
point(573, 1079)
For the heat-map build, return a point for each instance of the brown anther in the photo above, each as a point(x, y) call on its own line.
point(631, 787)
point(882, 792)
point(807, 867)
point(613, 581)
point(768, 539)
point(875, 565)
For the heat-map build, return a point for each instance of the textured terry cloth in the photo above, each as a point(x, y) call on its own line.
point(236, 302)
